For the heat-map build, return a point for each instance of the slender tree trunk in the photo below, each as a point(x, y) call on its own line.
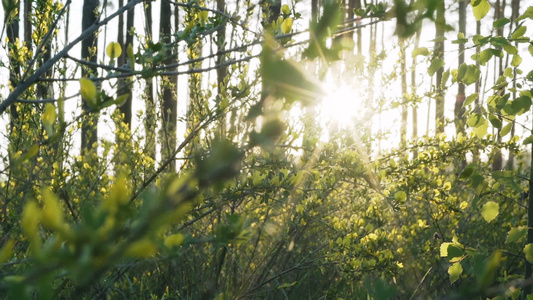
point(126, 107)
point(459, 110)
point(439, 54)
point(221, 72)
point(150, 119)
point(12, 34)
point(497, 161)
point(403, 71)
point(413, 91)
point(170, 104)
point(515, 5)
point(359, 37)
point(89, 130)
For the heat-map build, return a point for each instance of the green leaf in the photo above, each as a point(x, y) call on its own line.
point(495, 121)
point(528, 140)
point(470, 99)
point(436, 64)
point(521, 105)
point(519, 32)
point(88, 92)
point(475, 120)
point(517, 60)
point(510, 49)
point(528, 251)
point(49, 117)
point(286, 26)
point(481, 131)
point(445, 77)
point(400, 196)
point(490, 211)
point(506, 129)
point(500, 23)
point(420, 51)
point(113, 50)
point(530, 49)
point(444, 249)
point(528, 14)
point(516, 234)
point(455, 271)
point(462, 71)
point(480, 8)
point(472, 75)
point(485, 56)
point(467, 172)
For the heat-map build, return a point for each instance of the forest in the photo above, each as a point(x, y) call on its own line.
point(269, 149)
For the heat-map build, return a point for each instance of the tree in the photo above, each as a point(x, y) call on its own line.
point(89, 130)
point(169, 90)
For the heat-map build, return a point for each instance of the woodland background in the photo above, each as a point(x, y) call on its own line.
point(196, 150)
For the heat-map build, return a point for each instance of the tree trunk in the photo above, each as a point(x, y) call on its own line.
point(89, 130)
point(439, 54)
point(221, 71)
point(170, 104)
point(126, 107)
point(459, 110)
point(403, 72)
point(150, 118)
point(515, 6)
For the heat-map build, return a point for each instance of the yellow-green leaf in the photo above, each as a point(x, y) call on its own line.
point(88, 91)
point(52, 212)
point(490, 211)
point(516, 234)
point(173, 240)
point(519, 32)
point(517, 60)
point(481, 9)
point(528, 251)
point(49, 117)
point(131, 56)
point(444, 249)
point(285, 9)
point(420, 51)
point(113, 50)
point(7, 251)
point(286, 26)
point(400, 196)
point(455, 271)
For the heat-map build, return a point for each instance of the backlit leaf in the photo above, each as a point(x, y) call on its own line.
point(455, 271)
point(475, 120)
point(480, 9)
point(470, 99)
point(517, 60)
point(435, 66)
point(506, 129)
point(286, 26)
point(420, 51)
point(501, 22)
point(490, 211)
point(519, 32)
point(495, 121)
point(49, 117)
point(113, 50)
point(88, 91)
point(528, 251)
point(516, 234)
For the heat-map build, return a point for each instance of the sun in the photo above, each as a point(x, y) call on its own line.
point(341, 106)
